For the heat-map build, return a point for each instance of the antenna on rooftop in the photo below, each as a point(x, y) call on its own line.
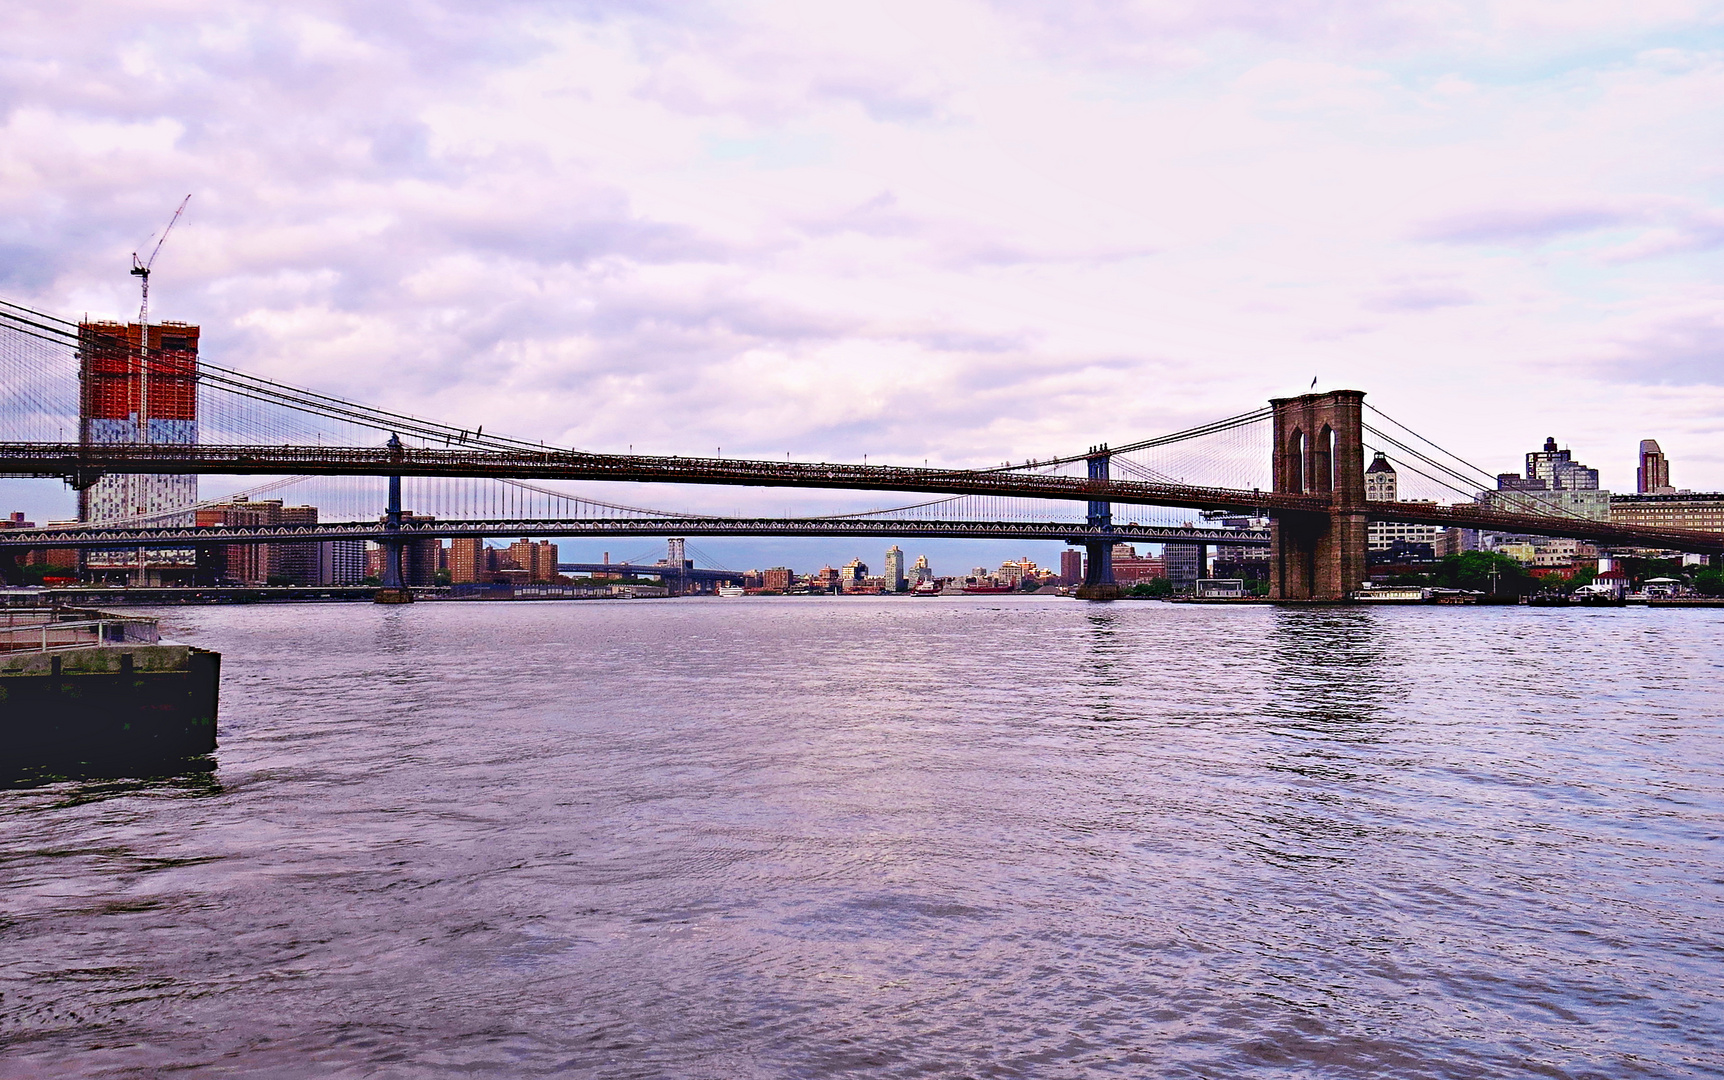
point(141, 270)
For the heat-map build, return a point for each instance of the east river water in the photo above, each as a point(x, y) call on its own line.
point(896, 838)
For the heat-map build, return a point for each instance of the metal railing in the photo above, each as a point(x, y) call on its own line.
point(54, 634)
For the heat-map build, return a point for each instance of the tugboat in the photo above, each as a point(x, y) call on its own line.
point(926, 588)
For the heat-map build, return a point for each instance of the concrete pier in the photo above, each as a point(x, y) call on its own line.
point(86, 697)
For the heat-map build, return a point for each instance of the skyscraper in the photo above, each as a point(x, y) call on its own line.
point(892, 580)
point(138, 385)
point(1559, 470)
point(537, 558)
point(1654, 472)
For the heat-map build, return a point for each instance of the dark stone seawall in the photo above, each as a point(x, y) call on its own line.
point(128, 708)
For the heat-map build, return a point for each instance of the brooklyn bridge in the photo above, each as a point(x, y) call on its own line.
point(91, 404)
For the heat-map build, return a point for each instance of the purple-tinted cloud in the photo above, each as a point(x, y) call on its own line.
point(1682, 351)
point(1521, 225)
point(1419, 298)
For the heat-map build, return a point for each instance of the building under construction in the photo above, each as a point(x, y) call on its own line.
point(139, 389)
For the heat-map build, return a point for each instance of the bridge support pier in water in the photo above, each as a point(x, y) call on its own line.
point(394, 589)
point(1098, 583)
point(1319, 449)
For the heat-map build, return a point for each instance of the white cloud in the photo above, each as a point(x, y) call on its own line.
point(957, 230)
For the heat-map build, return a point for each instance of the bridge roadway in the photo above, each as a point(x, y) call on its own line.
point(95, 537)
point(83, 464)
point(693, 573)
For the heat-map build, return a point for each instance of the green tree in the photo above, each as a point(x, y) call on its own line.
point(1155, 588)
point(1486, 571)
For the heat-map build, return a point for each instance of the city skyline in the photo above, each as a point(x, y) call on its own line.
point(1367, 199)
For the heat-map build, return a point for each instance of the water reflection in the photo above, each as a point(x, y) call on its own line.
point(94, 767)
point(1105, 664)
point(189, 777)
point(1331, 671)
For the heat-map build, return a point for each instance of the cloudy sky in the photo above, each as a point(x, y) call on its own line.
point(941, 230)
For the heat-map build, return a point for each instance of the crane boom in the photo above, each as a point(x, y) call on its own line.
point(141, 270)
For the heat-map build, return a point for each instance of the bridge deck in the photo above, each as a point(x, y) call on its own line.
point(82, 463)
point(884, 528)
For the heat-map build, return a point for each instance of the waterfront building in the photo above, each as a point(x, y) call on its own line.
point(893, 578)
point(921, 571)
point(262, 564)
point(537, 558)
point(1240, 559)
point(123, 399)
point(1071, 567)
point(1013, 571)
point(1184, 564)
point(1130, 568)
point(853, 576)
point(16, 521)
point(1653, 475)
point(342, 562)
point(468, 562)
point(778, 579)
point(419, 558)
point(1671, 510)
point(422, 555)
point(296, 564)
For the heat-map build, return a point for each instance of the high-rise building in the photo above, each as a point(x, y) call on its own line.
point(261, 564)
point(1559, 470)
point(138, 384)
point(1554, 484)
point(1184, 564)
point(422, 555)
point(1653, 475)
point(922, 571)
point(537, 558)
point(297, 564)
point(892, 578)
point(467, 561)
point(342, 562)
point(1071, 567)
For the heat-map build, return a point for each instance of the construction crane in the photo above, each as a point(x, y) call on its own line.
point(141, 271)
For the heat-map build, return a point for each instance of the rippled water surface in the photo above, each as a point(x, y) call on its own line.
point(896, 837)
